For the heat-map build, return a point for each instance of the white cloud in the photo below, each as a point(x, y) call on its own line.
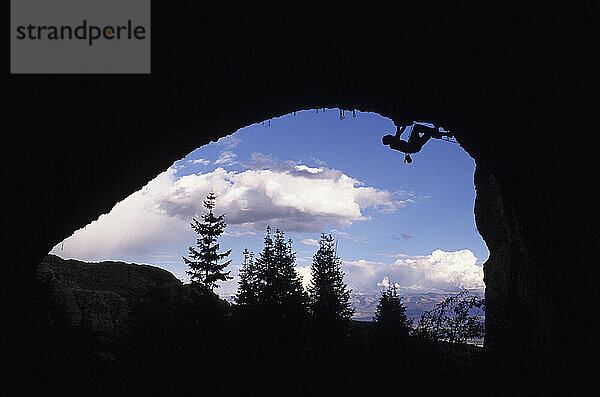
point(238, 233)
point(310, 241)
point(293, 197)
point(259, 161)
point(362, 263)
point(134, 225)
point(306, 275)
point(394, 255)
point(441, 271)
point(318, 161)
point(229, 141)
point(347, 236)
point(341, 234)
point(287, 195)
point(200, 161)
point(226, 158)
point(385, 283)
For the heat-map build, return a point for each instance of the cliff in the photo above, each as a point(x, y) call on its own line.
point(106, 298)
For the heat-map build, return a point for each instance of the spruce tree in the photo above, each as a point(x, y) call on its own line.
point(390, 315)
point(205, 269)
point(280, 284)
point(288, 283)
point(281, 308)
point(265, 268)
point(279, 287)
point(248, 286)
point(329, 296)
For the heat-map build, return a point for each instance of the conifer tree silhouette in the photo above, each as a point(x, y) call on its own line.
point(390, 316)
point(328, 294)
point(248, 286)
point(279, 282)
point(205, 269)
point(265, 271)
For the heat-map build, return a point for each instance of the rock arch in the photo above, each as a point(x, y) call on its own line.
point(489, 81)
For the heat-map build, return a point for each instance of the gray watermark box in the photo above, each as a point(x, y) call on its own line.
point(80, 36)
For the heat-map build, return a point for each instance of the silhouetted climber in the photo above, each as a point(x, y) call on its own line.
point(419, 135)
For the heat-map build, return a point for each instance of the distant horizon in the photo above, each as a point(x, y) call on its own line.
point(363, 312)
point(410, 223)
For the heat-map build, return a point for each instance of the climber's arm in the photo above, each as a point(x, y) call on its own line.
point(400, 131)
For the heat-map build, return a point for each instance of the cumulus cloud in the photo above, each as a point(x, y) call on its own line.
point(305, 273)
point(385, 283)
point(134, 225)
point(291, 196)
point(286, 195)
point(440, 271)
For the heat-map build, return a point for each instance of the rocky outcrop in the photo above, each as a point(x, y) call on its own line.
point(103, 324)
point(537, 303)
point(101, 298)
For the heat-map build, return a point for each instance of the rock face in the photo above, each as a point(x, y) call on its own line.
point(504, 82)
point(109, 324)
point(105, 299)
point(537, 303)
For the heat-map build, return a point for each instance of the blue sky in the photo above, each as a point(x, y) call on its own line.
point(309, 173)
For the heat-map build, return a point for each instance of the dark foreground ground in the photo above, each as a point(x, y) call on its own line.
point(122, 328)
point(362, 365)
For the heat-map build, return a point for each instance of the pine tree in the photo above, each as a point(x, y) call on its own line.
point(329, 296)
point(248, 286)
point(390, 316)
point(205, 269)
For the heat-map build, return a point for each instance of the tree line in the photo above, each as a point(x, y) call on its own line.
point(270, 286)
point(270, 289)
